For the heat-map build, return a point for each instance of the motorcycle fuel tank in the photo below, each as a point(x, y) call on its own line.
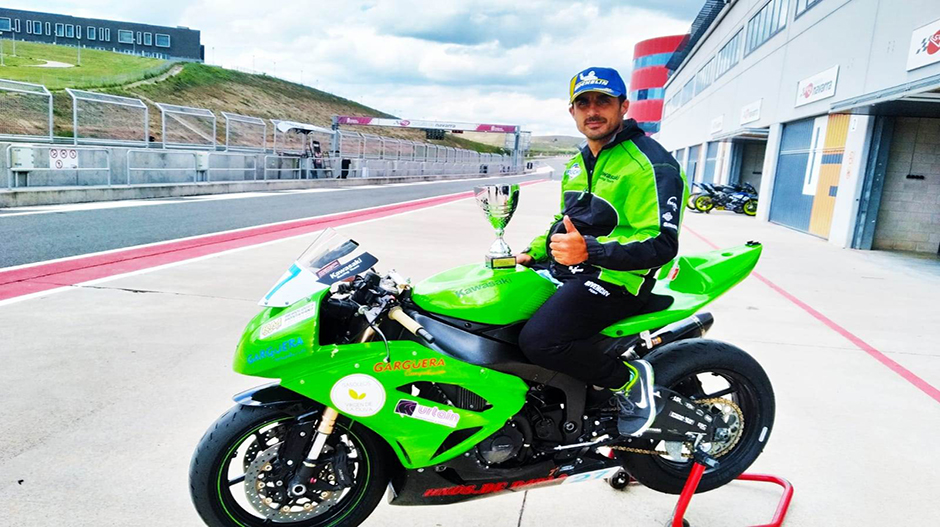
point(486, 296)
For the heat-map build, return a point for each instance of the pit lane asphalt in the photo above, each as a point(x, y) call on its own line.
point(29, 238)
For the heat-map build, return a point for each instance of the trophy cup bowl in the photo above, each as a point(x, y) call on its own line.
point(499, 203)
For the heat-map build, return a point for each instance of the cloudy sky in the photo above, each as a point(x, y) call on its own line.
point(475, 60)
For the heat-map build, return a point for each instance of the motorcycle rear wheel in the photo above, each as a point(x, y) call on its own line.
point(249, 432)
point(681, 367)
point(690, 203)
point(704, 203)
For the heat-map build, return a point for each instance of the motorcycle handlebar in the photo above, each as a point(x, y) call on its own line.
point(410, 324)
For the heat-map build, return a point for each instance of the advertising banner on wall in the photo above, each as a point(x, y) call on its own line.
point(718, 123)
point(925, 46)
point(818, 87)
point(751, 112)
point(434, 125)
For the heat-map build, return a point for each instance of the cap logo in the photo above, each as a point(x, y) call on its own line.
point(590, 78)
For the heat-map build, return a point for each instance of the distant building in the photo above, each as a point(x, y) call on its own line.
point(123, 37)
point(648, 78)
point(830, 107)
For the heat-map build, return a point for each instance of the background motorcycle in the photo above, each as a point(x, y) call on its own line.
point(741, 199)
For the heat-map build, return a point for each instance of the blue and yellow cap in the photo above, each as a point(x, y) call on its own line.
point(603, 80)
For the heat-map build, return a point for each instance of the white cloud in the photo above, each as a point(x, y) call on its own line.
point(465, 60)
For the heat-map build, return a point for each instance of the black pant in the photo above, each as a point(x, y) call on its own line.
point(556, 337)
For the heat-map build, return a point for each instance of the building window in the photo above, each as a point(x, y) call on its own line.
point(647, 94)
point(139, 39)
point(6, 24)
point(125, 36)
point(29, 27)
point(705, 77)
point(48, 29)
point(729, 55)
point(148, 39)
point(16, 25)
point(78, 32)
point(60, 30)
point(803, 5)
point(90, 33)
point(37, 28)
point(658, 59)
point(105, 34)
point(766, 23)
point(70, 31)
point(163, 41)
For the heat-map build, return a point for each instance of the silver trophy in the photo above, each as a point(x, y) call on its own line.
point(498, 202)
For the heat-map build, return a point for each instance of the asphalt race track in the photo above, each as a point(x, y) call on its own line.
point(36, 234)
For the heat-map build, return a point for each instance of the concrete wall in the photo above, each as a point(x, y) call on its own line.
point(909, 219)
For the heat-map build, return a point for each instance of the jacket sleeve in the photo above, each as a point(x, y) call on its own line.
point(647, 234)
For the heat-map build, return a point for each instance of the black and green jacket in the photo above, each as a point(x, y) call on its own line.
point(627, 202)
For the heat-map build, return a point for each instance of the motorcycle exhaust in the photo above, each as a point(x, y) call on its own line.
point(693, 327)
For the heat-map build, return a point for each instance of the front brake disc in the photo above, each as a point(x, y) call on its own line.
point(269, 496)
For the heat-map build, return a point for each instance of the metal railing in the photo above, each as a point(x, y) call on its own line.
point(249, 159)
point(13, 172)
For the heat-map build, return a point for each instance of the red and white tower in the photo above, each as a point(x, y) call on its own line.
point(648, 78)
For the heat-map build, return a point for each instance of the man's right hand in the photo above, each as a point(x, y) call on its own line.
point(525, 259)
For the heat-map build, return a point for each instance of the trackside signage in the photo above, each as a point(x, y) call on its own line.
point(63, 158)
point(437, 125)
point(818, 87)
point(925, 46)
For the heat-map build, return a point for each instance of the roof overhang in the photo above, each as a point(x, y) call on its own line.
point(743, 134)
point(920, 98)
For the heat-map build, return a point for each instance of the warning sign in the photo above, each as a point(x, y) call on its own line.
point(63, 158)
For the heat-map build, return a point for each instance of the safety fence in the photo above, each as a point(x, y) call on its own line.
point(111, 145)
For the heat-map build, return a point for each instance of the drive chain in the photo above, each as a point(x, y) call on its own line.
point(723, 451)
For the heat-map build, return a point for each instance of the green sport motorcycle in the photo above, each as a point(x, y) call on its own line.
point(423, 391)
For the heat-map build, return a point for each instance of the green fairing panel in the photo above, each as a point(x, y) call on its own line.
point(279, 336)
point(356, 374)
point(701, 279)
point(282, 343)
point(478, 294)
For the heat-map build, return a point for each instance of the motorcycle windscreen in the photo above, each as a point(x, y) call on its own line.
point(330, 258)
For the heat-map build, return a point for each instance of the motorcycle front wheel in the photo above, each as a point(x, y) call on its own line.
point(238, 479)
point(690, 203)
point(702, 369)
point(750, 207)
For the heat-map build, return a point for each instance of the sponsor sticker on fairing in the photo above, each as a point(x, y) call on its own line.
point(286, 321)
point(431, 414)
point(358, 394)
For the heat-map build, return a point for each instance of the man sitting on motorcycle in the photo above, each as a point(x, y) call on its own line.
point(619, 223)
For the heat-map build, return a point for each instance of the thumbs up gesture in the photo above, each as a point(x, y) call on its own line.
point(569, 248)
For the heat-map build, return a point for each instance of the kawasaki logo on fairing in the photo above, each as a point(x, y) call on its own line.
point(485, 285)
point(276, 350)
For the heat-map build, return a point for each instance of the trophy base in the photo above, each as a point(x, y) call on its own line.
point(500, 262)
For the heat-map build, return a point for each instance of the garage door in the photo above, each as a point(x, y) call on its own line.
point(790, 205)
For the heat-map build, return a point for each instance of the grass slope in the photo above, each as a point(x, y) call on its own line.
point(197, 85)
point(98, 68)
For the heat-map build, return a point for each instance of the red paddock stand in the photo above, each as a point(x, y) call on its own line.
point(698, 468)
